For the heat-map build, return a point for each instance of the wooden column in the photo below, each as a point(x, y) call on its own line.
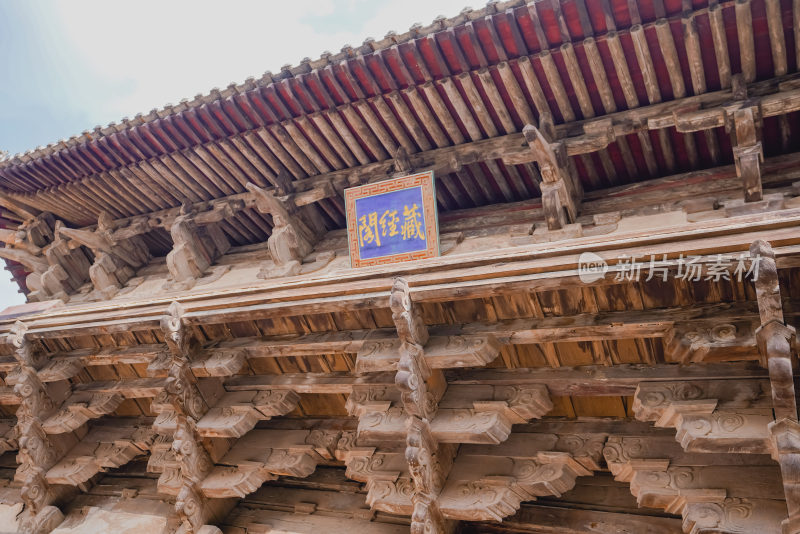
point(57, 450)
point(421, 388)
point(37, 452)
point(776, 344)
point(186, 406)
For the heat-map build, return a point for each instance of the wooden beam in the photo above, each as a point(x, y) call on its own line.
point(602, 380)
point(581, 381)
point(476, 274)
point(578, 381)
point(543, 519)
point(258, 520)
point(447, 343)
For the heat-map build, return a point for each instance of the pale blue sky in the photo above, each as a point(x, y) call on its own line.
point(69, 65)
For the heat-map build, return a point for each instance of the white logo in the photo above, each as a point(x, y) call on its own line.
point(591, 267)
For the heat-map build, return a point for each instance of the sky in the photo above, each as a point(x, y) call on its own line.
point(67, 66)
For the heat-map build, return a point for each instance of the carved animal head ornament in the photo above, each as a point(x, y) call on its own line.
point(407, 319)
point(419, 454)
point(35, 490)
point(426, 518)
point(172, 327)
point(400, 300)
point(105, 222)
point(183, 444)
point(25, 351)
point(412, 371)
point(189, 506)
point(17, 334)
point(57, 229)
point(267, 202)
point(189, 451)
point(30, 389)
point(186, 208)
point(181, 393)
point(34, 447)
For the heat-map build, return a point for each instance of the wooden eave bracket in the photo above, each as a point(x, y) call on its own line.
point(704, 494)
point(481, 482)
point(748, 154)
point(425, 480)
point(263, 455)
point(710, 340)
point(101, 449)
point(183, 401)
point(38, 451)
point(441, 352)
point(465, 417)
point(196, 246)
point(775, 336)
point(291, 239)
point(561, 191)
point(709, 415)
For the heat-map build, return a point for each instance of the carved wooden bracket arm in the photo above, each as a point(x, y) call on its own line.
point(561, 191)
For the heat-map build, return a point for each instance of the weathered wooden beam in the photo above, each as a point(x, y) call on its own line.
point(710, 485)
point(776, 339)
point(300, 521)
point(470, 345)
point(545, 519)
point(776, 38)
point(102, 448)
point(465, 345)
point(17, 207)
point(602, 380)
point(486, 482)
point(80, 408)
point(478, 274)
point(236, 413)
point(588, 380)
point(564, 381)
point(744, 29)
point(263, 455)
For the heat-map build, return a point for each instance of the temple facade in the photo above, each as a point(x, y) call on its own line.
point(599, 336)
